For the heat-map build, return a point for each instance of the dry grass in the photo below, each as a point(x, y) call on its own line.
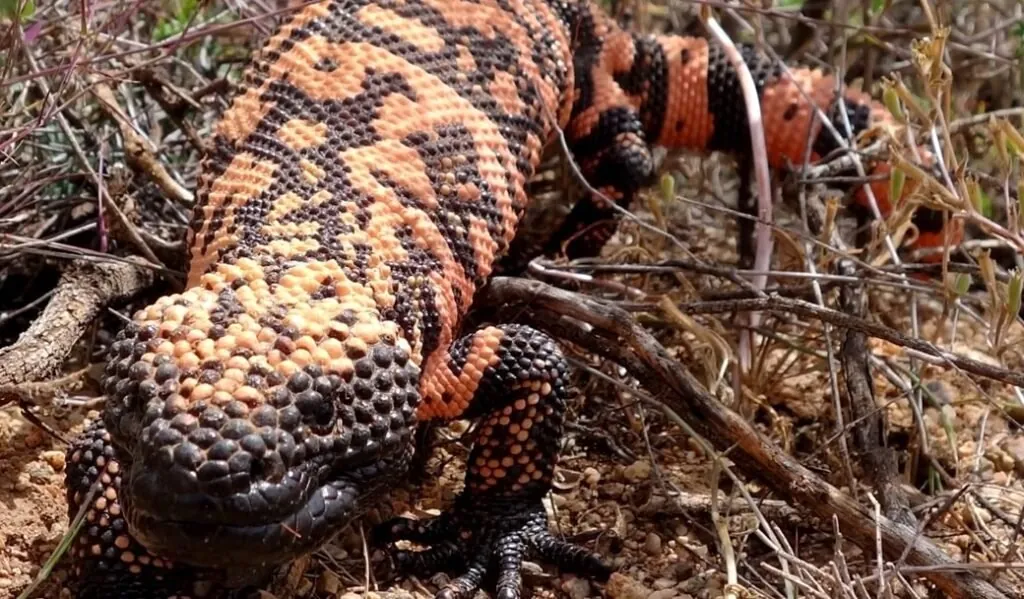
point(103, 115)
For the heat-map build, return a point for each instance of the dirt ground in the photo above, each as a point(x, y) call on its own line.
point(618, 469)
point(632, 483)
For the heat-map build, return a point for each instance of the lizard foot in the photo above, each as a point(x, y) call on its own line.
point(485, 541)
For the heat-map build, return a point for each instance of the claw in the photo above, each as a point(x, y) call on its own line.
point(465, 586)
point(406, 529)
point(438, 558)
point(480, 542)
point(570, 558)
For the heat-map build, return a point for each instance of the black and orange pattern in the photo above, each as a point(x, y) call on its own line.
point(359, 191)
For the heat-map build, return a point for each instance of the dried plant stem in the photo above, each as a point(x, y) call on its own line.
point(610, 331)
point(759, 159)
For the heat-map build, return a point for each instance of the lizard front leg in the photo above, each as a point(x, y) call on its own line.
point(514, 381)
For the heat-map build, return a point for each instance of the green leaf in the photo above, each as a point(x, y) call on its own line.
point(9, 9)
point(668, 188)
point(981, 201)
point(1013, 292)
point(891, 99)
point(166, 28)
point(182, 12)
point(896, 180)
point(962, 283)
point(985, 203)
point(187, 9)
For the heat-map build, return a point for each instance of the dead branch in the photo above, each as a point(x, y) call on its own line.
point(138, 148)
point(781, 305)
point(84, 290)
point(879, 461)
point(598, 326)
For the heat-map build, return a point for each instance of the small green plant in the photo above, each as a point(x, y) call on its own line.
point(181, 14)
point(20, 9)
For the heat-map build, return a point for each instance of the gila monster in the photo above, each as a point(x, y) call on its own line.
point(358, 191)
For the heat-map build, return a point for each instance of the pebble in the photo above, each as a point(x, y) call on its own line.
point(664, 583)
point(591, 476)
point(621, 586)
point(33, 438)
point(612, 490)
point(664, 594)
point(638, 471)
point(40, 474)
point(577, 588)
point(328, 583)
point(679, 570)
point(652, 544)
point(24, 483)
point(55, 459)
point(1013, 459)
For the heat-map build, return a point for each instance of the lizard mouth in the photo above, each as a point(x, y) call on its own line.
point(264, 524)
point(268, 523)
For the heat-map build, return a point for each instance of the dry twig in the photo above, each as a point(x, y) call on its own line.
point(611, 332)
point(84, 290)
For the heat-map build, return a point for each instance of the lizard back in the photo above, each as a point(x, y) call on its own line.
point(378, 156)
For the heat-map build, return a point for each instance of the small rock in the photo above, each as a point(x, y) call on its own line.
point(664, 583)
point(652, 544)
point(638, 471)
point(621, 586)
point(680, 570)
point(1014, 456)
point(24, 482)
point(55, 459)
point(33, 438)
point(577, 588)
point(663, 594)
point(40, 474)
point(591, 476)
point(351, 596)
point(328, 583)
point(612, 490)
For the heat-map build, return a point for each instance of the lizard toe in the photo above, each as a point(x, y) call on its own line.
point(484, 543)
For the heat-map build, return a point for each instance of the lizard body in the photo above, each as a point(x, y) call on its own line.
point(359, 190)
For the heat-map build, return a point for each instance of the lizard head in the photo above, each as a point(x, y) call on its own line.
point(255, 411)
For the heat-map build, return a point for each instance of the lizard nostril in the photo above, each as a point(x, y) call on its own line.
point(318, 402)
point(318, 410)
point(270, 469)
